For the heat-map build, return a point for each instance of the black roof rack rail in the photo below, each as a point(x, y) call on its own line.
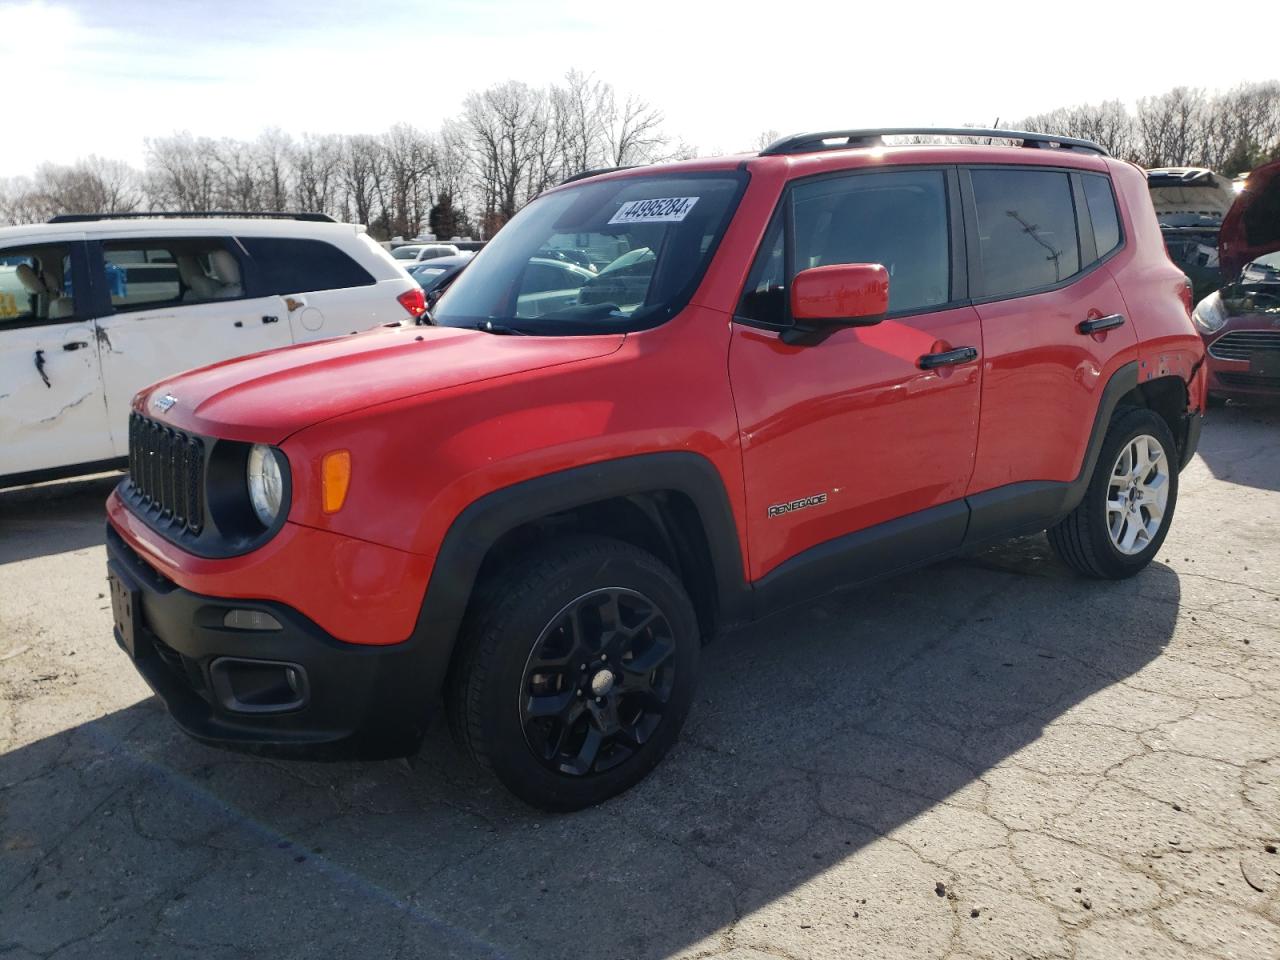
point(814, 142)
point(194, 215)
point(585, 174)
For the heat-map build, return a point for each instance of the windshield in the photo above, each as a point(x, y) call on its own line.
point(1265, 269)
point(601, 257)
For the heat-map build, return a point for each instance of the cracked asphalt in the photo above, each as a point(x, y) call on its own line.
point(989, 759)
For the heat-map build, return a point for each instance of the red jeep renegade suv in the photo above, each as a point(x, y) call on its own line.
point(662, 401)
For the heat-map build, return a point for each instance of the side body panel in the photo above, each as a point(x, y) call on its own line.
point(52, 402)
point(1042, 380)
point(854, 420)
point(1154, 290)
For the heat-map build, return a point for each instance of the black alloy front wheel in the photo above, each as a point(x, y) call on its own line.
point(576, 672)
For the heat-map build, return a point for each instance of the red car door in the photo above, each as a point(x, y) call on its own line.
point(857, 441)
point(1054, 326)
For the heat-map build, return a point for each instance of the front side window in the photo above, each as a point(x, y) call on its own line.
point(645, 240)
point(1026, 230)
point(140, 274)
point(35, 285)
point(896, 219)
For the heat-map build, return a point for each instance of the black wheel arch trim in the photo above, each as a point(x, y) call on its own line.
point(482, 524)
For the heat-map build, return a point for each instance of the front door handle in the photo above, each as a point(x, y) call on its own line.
point(75, 345)
point(1102, 323)
point(948, 358)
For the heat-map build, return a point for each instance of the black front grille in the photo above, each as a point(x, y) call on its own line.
point(166, 473)
point(1244, 344)
point(1256, 380)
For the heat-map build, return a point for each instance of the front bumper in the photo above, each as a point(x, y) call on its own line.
point(354, 700)
point(1231, 378)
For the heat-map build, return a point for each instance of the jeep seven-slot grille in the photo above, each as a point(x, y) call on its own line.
point(1243, 344)
point(165, 473)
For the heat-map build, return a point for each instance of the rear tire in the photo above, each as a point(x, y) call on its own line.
point(1121, 522)
point(574, 675)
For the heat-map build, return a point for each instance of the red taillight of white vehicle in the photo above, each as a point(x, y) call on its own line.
point(415, 301)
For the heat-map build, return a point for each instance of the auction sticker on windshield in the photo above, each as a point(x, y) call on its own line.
point(658, 210)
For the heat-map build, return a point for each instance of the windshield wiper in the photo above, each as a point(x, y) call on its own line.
point(501, 329)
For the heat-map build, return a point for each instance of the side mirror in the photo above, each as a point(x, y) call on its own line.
point(824, 299)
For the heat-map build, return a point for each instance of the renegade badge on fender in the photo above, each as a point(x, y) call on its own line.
point(782, 374)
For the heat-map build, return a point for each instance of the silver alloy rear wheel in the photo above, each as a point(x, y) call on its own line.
point(1137, 494)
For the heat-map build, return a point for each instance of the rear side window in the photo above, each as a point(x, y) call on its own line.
point(1026, 230)
point(898, 220)
point(1102, 211)
point(139, 274)
point(284, 265)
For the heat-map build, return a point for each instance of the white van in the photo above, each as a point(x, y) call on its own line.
point(94, 308)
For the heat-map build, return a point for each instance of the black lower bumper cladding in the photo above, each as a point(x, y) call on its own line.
point(331, 700)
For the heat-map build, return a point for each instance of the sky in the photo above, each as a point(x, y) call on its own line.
point(100, 76)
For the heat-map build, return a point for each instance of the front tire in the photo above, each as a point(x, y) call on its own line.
point(1121, 522)
point(576, 672)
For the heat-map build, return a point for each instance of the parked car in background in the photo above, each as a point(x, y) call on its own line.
point(411, 253)
point(435, 275)
point(93, 308)
point(825, 364)
point(1240, 323)
point(1190, 203)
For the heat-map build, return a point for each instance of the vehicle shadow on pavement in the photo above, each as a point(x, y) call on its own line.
point(53, 518)
point(821, 732)
point(1237, 443)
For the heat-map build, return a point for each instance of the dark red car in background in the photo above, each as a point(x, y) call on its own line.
point(1240, 323)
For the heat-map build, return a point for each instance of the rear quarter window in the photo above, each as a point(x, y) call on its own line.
point(283, 265)
point(1102, 211)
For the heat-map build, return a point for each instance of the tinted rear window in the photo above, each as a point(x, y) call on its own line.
point(1102, 211)
point(1026, 230)
point(286, 265)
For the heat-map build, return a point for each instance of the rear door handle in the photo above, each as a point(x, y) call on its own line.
point(948, 358)
point(270, 319)
point(1102, 323)
point(75, 345)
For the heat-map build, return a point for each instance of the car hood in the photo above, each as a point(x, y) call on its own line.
point(1251, 227)
point(266, 397)
point(1188, 197)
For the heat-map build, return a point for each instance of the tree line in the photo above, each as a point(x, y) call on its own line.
point(1230, 132)
point(512, 140)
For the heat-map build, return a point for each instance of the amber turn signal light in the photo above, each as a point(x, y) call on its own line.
point(335, 478)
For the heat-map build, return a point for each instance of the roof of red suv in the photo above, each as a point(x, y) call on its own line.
point(808, 154)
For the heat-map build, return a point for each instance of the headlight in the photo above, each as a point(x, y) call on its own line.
point(1209, 314)
point(266, 484)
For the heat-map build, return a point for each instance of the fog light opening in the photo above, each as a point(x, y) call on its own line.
point(259, 686)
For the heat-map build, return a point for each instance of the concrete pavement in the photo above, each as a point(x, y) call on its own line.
point(990, 758)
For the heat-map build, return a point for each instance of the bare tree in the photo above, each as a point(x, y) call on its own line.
point(317, 167)
point(1172, 128)
point(181, 172)
point(508, 129)
point(360, 173)
point(21, 202)
point(635, 134)
point(274, 156)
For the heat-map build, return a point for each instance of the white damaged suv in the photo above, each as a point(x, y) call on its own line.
point(94, 308)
